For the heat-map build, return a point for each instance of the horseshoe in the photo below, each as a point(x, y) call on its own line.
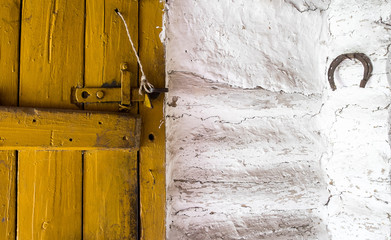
point(364, 59)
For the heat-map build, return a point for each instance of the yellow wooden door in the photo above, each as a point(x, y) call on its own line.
point(67, 186)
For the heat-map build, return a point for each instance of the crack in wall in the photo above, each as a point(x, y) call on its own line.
point(386, 24)
point(308, 7)
point(304, 116)
point(228, 86)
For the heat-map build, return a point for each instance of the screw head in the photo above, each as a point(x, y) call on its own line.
point(100, 94)
point(124, 66)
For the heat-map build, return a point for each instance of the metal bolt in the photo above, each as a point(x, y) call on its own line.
point(100, 94)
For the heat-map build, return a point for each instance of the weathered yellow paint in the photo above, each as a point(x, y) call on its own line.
point(29, 128)
point(152, 152)
point(9, 51)
point(110, 189)
point(107, 46)
point(110, 196)
point(51, 62)
point(49, 195)
point(7, 194)
point(9, 69)
point(72, 43)
point(52, 49)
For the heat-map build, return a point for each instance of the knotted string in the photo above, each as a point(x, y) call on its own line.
point(144, 84)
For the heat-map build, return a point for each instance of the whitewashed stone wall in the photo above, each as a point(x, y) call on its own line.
point(258, 146)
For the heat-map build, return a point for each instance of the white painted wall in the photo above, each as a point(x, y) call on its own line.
point(258, 145)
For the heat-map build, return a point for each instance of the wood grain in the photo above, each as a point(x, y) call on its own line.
point(52, 49)
point(110, 178)
point(107, 46)
point(51, 63)
point(110, 195)
point(152, 152)
point(31, 128)
point(49, 195)
point(7, 194)
point(9, 77)
point(9, 51)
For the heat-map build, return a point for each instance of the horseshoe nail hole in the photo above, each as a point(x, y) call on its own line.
point(34, 120)
point(151, 137)
point(70, 139)
point(85, 94)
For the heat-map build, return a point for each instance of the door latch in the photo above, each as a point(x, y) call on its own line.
point(124, 95)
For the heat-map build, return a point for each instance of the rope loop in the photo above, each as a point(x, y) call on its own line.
point(145, 85)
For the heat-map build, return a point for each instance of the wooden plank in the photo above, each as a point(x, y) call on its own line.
point(152, 150)
point(9, 51)
point(29, 128)
point(107, 46)
point(9, 77)
point(110, 206)
point(7, 194)
point(110, 196)
point(51, 63)
point(52, 207)
point(52, 49)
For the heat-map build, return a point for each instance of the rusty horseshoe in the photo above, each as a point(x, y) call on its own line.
point(364, 59)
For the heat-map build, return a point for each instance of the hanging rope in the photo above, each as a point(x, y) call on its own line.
point(144, 84)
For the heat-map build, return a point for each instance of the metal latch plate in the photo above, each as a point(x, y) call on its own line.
point(124, 94)
point(104, 95)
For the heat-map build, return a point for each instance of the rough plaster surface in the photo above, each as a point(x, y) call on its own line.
point(258, 146)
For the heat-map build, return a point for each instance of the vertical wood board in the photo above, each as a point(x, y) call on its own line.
point(9, 51)
point(7, 194)
point(107, 46)
point(152, 152)
point(110, 196)
point(51, 62)
point(49, 195)
point(52, 49)
point(9, 77)
point(110, 178)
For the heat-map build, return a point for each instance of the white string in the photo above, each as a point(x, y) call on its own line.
point(144, 84)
